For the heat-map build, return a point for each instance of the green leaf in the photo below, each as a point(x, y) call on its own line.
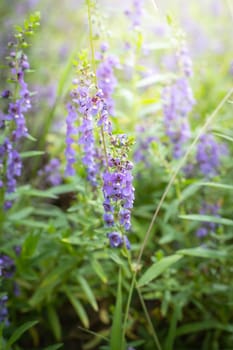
point(30, 245)
point(207, 218)
point(19, 331)
point(203, 253)
point(33, 223)
point(202, 326)
point(54, 347)
point(156, 79)
point(116, 330)
point(78, 308)
point(99, 270)
point(223, 136)
point(54, 322)
point(216, 185)
point(157, 269)
point(21, 214)
point(88, 292)
point(31, 154)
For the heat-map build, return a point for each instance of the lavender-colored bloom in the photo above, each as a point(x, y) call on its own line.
point(109, 219)
point(208, 155)
point(14, 122)
point(83, 109)
point(184, 61)
point(118, 190)
point(143, 143)
point(177, 103)
point(3, 310)
point(7, 266)
point(126, 242)
point(106, 80)
point(51, 172)
point(115, 239)
point(208, 226)
point(135, 13)
point(70, 132)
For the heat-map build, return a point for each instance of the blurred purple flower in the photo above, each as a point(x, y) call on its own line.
point(208, 226)
point(51, 172)
point(208, 155)
point(178, 101)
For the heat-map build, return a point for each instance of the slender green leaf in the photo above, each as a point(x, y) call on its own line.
point(54, 322)
point(19, 331)
point(54, 347)
point(99, 270)
point(202, 326)
point(78, 308)
point(31, 154)
point(88, 292)
point(217, 185)
point(223, 136)
point(157, 269)
point(21, 214)
point(207, 218)
point(203, 253)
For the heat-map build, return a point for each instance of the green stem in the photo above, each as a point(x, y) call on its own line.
point(154, 334)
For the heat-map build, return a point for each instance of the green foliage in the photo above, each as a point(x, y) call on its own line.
point(172, 287)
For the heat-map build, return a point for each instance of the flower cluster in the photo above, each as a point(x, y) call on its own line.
point(177, 103)
point(184, 61)
point(13, 122)
point(51, 172)
point(208, 155)
point(207, 226)
point(143, 143)
point(87, 105)
point(135, 13)
point(105, 76)
point(118, 192)
point(88, 112)
point(7, 269)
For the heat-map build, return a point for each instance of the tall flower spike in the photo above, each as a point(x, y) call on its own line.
point(106, 78)
point(118, 192)
point(87, 104)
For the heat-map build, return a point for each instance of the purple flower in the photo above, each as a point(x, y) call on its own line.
point(118, 189)
point(177, 103)
point(208, 226)
point(184, 61)
point(135, 13)
point(14, 123)
point(4, 310)
point(85, 105)
point(143, 143)
point(70, 132)
point(115, 239)
point(51, 172)
point(107, 82)
point(208, 155)
point(7, 266)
